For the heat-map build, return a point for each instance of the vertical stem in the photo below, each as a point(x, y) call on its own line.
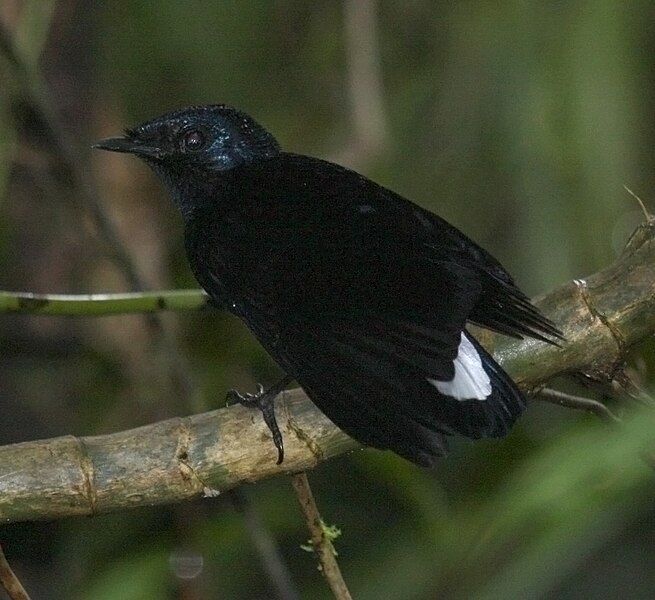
point(9, 581)
point(364, 71)
point(320, 542)
point(264, 543)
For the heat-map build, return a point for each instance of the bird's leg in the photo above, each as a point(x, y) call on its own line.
point(264, 401)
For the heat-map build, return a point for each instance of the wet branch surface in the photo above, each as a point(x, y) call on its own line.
point(205, 454)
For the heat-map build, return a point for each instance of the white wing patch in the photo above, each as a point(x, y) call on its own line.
point(471, 382)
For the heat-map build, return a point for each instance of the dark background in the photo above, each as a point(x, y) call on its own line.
point(519, 122)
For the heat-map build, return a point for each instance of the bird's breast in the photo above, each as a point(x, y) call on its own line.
point(238, 267)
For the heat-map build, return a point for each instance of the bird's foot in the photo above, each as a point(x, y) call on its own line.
point(247, 399)
point(264, 401)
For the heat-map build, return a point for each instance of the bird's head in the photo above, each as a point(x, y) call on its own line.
point(195, 142)
point(214, 137)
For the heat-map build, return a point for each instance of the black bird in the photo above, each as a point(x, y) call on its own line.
point(360, 295)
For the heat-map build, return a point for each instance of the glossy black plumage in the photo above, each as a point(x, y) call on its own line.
point(357, 293)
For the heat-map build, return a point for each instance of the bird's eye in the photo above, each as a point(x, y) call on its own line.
point(194, 140)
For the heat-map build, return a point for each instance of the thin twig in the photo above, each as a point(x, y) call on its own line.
point(9, 581)
point(579, 403)
point(96, 305)
point(264, 543)
point(648, 216)
point(321, 543)
point(621, 387)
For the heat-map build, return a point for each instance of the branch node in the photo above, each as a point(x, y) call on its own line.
point(307, 439)
point(88, 475)
point(184, 465)
point(583, 289)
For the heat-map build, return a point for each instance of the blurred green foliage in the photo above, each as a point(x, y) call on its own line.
point(519, 122)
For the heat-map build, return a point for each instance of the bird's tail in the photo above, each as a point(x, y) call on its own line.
point(386, 398)
point(505, 403)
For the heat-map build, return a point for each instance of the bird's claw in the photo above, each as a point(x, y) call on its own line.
point(250, 400)
point(262, 400)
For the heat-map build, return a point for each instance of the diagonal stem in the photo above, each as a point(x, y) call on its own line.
point(264, 542)
point(321, 543)
point(9, 581)
point(36, 93)
point(578, 403)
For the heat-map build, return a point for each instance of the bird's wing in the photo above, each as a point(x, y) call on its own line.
point(375, 335)
point(502, 306)
point(361, 220)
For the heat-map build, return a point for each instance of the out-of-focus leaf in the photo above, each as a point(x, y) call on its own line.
point(563, 503)
point(141, 576)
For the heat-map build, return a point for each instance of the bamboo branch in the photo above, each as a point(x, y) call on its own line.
point(97, 305)
point(205, 454)
point(321, 542)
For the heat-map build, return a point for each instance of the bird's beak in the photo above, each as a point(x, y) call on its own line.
point(129, 145)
